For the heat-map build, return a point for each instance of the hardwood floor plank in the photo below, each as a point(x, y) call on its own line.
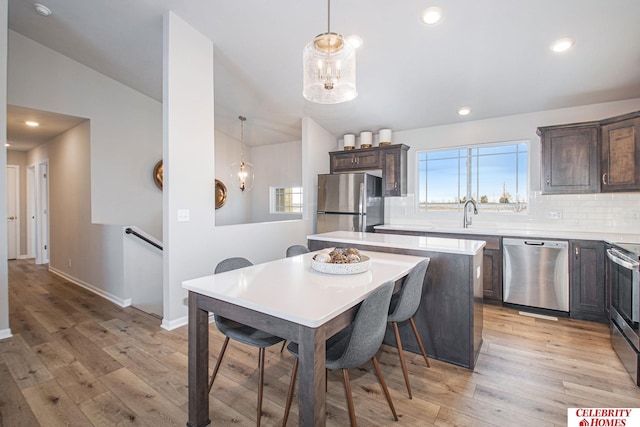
point(53, 407)
point(32, 331)
point(87, 353)
point(14, 409)
point(170, 383)
point(25, 367)
point(107, 410)
point(143, 400)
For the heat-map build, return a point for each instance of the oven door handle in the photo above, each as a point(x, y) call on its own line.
point(622, 259)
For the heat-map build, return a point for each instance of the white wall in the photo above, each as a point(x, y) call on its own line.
point(5, 332)
point(85, 253)
point(126, 129)
point(594, 212)
point(275, 165)
point(192, 249)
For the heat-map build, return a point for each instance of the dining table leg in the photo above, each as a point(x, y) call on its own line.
point(311, 377)
point(198, 364)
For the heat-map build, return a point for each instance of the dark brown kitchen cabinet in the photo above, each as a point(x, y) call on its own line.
point(394, 170)
point(492, 267)
point(353, 160)
point(391, 160)
point(570, 158)
point(620, 164)
point(588, 296)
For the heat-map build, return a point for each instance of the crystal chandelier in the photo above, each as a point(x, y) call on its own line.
point(242, 172)
point(329, 64)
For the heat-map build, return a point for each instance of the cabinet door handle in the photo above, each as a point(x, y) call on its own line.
point(604, 178)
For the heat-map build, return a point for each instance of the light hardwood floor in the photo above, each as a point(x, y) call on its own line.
point(77, 360)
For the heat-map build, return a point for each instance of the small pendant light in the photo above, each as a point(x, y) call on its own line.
point(242, 173)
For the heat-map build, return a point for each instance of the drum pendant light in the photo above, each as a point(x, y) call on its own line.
point(329, 64)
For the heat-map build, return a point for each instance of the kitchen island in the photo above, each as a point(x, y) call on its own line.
point(449, 318)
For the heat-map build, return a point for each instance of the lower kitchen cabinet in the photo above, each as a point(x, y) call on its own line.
point(492, 267)
point(491, 260)
point(587, 281)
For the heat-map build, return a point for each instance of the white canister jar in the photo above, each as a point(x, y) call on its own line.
point(384, 137)
point(366, 139)
point(349, 141)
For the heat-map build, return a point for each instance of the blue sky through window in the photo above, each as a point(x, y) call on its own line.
point(495, 175)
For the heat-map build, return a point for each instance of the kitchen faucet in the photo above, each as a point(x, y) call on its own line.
point(466, 220)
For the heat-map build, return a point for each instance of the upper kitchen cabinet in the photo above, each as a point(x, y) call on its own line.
point(620, 164)
point(570, 158)
point(353, 160)
point(390, 159)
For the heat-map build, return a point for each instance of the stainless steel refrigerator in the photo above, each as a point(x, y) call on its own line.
point(349, 202)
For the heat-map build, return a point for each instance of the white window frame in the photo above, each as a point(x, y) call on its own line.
point(522, 187)
point(273, 205)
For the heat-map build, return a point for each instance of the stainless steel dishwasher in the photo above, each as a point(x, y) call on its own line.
point(536, 273)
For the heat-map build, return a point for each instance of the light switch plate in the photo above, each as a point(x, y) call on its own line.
point(183, 215)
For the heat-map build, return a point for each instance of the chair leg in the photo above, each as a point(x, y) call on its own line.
point(260, 385)
point(403, 362)
point(347, 390)
point(376, 365)
point(218, 362)
point(415, 332)
point(284, 344)
point(292, 385)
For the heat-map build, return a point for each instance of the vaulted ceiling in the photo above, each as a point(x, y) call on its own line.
point(492, 56)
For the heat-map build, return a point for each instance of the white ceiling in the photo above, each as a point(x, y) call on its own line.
point(490, 55)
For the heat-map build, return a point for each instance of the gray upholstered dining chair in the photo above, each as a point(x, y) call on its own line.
point(354, 346)
point(404, 305)
point(242, 333)
point(296, 250)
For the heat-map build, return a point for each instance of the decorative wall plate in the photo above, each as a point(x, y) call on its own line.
point(157, 174)
point(221, 194)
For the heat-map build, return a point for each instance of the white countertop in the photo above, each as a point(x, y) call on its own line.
point(512, 232)
point(421, 243)
point(290, 289)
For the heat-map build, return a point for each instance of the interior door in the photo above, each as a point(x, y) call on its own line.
point(42, 254)
point(13, 203)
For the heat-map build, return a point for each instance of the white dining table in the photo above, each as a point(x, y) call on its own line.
point(290, 299)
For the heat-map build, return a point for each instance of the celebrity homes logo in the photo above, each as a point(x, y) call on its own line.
point(603, 417)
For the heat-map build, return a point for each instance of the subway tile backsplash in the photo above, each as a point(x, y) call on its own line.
point(605, 213)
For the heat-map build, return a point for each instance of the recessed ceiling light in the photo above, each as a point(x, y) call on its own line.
point(464, 111)
point(31, 123)
point(431, 15)
point(355, 40)
point(562, 45)
point(42, 9)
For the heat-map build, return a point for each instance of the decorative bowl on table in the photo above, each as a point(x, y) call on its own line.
point(340, 261)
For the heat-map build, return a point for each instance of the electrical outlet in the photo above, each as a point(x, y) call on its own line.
point(553, 214)
point(635, 215)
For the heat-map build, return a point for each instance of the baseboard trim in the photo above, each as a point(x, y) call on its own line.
point(24, 257)
point(106, 295)
point(5, 333)
point(170, 325)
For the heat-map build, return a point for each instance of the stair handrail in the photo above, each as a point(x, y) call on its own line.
point(129, 230)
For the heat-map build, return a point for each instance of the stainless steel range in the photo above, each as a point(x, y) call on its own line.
point(624, 280)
